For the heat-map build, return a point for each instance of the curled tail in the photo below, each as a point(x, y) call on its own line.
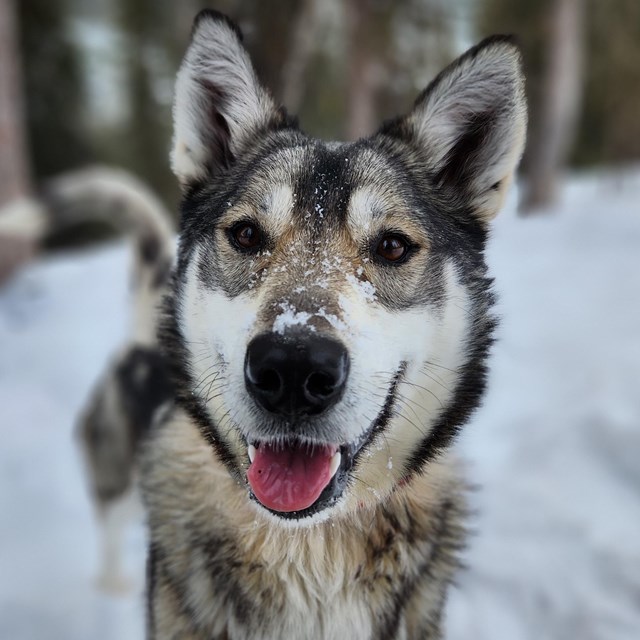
point(118, 198)
point(135, 384)
point(114, 197)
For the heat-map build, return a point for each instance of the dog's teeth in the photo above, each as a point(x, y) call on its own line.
point(252, 452)
point(335, 463)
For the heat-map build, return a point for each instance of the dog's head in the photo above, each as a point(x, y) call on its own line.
point(330, 317)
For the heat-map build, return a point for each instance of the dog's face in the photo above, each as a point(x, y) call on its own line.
point(331, 311)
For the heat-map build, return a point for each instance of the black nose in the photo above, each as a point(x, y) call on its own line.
point(297, 376)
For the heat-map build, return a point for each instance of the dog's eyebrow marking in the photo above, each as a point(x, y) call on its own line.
point(277, 206)
point(365, 205)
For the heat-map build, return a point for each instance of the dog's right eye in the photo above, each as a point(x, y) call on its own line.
point(246, 236)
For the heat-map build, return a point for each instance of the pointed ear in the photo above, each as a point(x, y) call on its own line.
point(470, 124)
point(219, 105)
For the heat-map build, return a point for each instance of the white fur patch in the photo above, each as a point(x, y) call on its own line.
point(217, 330)
point(279, 207)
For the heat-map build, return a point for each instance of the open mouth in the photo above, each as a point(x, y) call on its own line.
point(295, 480)
point(291, 477)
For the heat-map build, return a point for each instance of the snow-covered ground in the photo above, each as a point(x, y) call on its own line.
point(556, 447)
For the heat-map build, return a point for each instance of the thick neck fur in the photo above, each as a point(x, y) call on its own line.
point(230, 569)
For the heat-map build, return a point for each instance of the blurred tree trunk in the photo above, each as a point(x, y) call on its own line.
point(17, 242)
point(146, 24)
point(559, 110)
point(53, 88)
point(14, 168)
point(303, 42)
point(364, 68)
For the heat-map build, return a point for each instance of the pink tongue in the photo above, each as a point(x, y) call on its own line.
point(289, 479)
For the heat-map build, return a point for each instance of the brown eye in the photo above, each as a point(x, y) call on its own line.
point(392, 247)
point(247, 236)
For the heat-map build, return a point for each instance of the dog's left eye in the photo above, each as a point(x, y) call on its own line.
point(392, 247)
point(246, 236)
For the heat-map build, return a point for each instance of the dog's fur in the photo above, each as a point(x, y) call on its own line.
point(373, 557)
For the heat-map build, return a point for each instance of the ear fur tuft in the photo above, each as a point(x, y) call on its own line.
point(212, 14)
point(470, 124)
point(219, 105)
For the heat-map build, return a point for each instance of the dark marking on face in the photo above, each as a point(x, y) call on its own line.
point(323, 188)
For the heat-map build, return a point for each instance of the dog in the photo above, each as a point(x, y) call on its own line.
point(327, 331)
point(136, 382)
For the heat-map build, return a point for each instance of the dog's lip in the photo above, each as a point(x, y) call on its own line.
point(349, 455)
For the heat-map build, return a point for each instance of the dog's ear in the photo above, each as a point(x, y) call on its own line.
point(470, 124)
point(219, 105)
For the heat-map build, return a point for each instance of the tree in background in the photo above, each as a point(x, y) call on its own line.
point(551, 34)
point(610, 124)
point(15, 175)
point(54, 89)
point(557, 113)
point(583, 83)
point(14, 167)
point(142, 143)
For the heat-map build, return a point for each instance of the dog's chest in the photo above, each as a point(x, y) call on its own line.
point(223, 572)
point(315, 597)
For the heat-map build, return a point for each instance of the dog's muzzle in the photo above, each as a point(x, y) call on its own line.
point(293, 377)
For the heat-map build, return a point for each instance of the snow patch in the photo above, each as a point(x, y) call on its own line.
point(290, 318)
point(362, 287)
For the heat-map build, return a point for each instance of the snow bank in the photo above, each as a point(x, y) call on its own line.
point(556, 446)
